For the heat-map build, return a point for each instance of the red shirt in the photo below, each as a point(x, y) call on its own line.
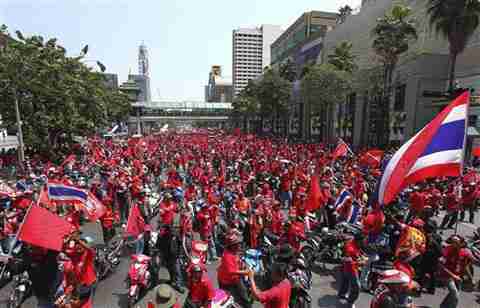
point(352, 252)
point(205, 222)
point(278, 296)
point(201, 291)
point(85, 268)
point(167, 213)
point(417, 200)
point(456, 261)
point(229, 264)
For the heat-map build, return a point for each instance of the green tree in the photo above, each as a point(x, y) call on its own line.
point(59, 97)
point(455, 20)
point(392, 35)
point(246, 104)
point(342, 57)
point(343, 13)
point(273, 93)
point(288, 70)
point(322, 87)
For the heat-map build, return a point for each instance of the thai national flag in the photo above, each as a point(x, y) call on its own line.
point(344, 194)
point(90, 204)
point(354, 215)
point(437, 150)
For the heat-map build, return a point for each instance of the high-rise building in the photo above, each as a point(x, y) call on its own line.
point(143, 77)
point(143, 68)
point(219, 88)
point(251, 53)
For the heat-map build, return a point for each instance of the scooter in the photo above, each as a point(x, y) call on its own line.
point(222, 299)
point(139, 278)
point(22, 289)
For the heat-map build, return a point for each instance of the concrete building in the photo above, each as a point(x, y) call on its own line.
point(251, 53)
point(219, 88)
point(310, 28)
point(143, 83)
point(420, 71)
point(301, 44)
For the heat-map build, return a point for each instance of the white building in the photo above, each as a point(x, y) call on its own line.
point(251, 53)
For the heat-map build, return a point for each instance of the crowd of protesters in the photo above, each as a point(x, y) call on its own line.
point(228, 190)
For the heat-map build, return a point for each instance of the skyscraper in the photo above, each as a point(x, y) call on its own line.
point(143, 77)
point(143, 60)
point(251, 53)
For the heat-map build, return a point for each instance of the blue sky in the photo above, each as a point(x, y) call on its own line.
point(184, 37)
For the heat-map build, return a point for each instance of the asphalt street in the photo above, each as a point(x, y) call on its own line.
point(111, 293)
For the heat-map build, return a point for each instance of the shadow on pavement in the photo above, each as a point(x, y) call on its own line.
point(329, 301)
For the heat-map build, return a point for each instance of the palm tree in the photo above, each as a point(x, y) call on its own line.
point(392, 35)
point(343, 13)
point(456, 20)
point(342, 57)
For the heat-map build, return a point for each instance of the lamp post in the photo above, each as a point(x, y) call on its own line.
point(21, 149)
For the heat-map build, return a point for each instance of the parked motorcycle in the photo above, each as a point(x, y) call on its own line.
point(139, 279)
point(105, 262)
point(301, 280)
point(326, 247)
point(22, 289)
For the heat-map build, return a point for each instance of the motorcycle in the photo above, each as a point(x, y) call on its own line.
point(22, 289)
point(326, 248)
point(139, 278)
point(394, 288)
point(301, 280)
point(105, 262)
point(8, 245)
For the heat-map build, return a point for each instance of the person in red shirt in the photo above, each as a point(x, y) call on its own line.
point(229, 272)
point(167, 210)
point(452, 206)
point(296, 233)
point(206, 231)
point(469, 197)
point(163, 297)
point(350, 281)
point(279, 295)
point(200, 287)
point(417, 203)
point(455, 264)
point(278, 219)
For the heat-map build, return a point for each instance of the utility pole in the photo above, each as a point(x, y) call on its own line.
point(21, 150)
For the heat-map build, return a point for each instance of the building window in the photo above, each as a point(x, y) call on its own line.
point(400, 98)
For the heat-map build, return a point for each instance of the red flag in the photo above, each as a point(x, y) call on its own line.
point(44, 229)
point(476, 152)
point(135, 222)
point(372, 158)
point(341, 150)
point(314, 196)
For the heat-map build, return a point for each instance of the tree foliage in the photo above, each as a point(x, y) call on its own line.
point(288, 70)
point(392, 36)
point(59, 97)
point(455, 20)
point(343, 13)
point(342, 57)
point(324, 85)
point(273, 92)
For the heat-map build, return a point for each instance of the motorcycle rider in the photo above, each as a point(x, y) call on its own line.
point(350, 281)
point(279, 295)
point(201, 291)
point(393, 291)
point(229, 272)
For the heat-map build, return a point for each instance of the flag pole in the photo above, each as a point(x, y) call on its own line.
point(463, 156)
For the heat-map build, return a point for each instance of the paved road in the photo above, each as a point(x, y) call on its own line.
point(111, 293)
